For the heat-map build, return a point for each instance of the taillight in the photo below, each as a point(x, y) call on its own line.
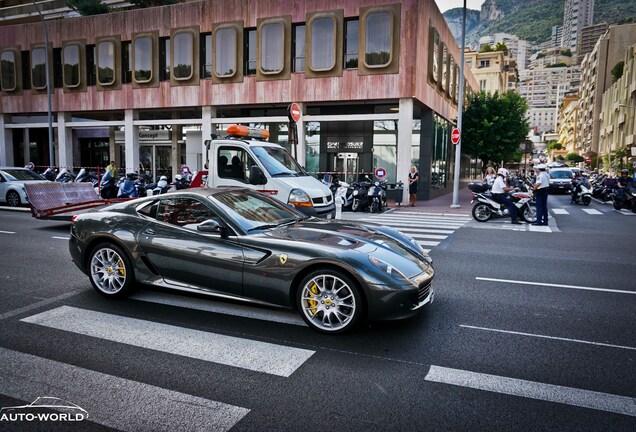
point(73, 218)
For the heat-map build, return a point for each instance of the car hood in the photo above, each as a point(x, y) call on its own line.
point(314, 188)
point(347, 236)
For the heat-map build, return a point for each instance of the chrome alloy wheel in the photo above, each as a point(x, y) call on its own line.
point(108, 271)
point(481, 212)
point(328, 302)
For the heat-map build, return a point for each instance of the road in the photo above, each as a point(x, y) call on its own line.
point(531, 329)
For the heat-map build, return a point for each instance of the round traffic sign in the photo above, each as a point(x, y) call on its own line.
point(294, 112)
point(380, 172)
point(456, 136)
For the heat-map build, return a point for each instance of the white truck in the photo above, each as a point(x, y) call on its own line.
point(245, 159)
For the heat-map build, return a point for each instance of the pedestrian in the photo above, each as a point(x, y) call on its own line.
point(490, 176)
point(111, 168)
point(500, 194)
point(414, 177)
point(541, 192)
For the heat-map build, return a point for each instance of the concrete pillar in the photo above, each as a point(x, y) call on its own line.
point(207, 129)
point(427, 141)
point(6, 142)
point(131, 134)
point(176, 149)
point(404, 145)
point(26, 148)
point(301, 148)
point(65, 141)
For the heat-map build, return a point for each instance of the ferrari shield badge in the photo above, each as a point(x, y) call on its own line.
point(283, 258)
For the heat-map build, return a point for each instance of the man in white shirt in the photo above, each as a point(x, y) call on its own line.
point(541, 195)
point(499, 193)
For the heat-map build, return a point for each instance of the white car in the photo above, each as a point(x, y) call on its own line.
point(12, 181)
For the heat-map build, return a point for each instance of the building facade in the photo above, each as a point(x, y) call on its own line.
point(377, 84)
point(492, 70)
point(568, 112)
point(576, 15)
point(587, 39)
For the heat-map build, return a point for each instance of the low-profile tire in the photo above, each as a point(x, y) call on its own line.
point(481, 212)
point(110, 270)
point(329, 301)
point(13, 198)
point(587, 200)
point(529, 213)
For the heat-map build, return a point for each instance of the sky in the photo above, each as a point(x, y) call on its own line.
point(444, 5)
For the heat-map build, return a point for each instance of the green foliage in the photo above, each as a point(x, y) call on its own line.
point(151, 3)
point(486, 48)
point(554, 145)
point(494, 126)
point(556, 65)
point(574, 157)
point(501, 47)
point(566, 52)
point(87, 7)
point(617, 71)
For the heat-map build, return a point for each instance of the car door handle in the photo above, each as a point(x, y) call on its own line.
point(149, 231)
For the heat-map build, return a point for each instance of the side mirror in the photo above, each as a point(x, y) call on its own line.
point(256, 176)
point(209, 226)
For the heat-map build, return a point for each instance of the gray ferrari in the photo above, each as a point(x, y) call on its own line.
point(241, 244)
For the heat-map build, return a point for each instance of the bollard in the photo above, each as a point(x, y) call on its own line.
point(339, 207)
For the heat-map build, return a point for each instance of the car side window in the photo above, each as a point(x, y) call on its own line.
point(149, 210)
point(183, 212)
point(234, 163)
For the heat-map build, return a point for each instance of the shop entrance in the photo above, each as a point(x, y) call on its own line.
point(155, 161)
point(347, 163)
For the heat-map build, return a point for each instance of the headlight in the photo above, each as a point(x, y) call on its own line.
point(299, 198)
point(419, 248)
point(388, 269)
point(355, 193)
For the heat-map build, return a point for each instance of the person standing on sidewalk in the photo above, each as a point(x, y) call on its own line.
point(541, 193)
point(414, 177)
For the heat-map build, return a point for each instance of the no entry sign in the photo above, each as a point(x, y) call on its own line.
point(294, 112)
point(456, 136)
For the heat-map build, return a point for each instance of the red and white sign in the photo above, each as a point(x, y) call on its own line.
point(380, 172)
point(294, 112)
point(456, 136)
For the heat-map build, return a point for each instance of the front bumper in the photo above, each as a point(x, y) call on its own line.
point(327, 211)
point(400, 302)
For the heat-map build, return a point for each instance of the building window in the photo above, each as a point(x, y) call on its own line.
point(272, 41)
point(91, 69)
point(106, 62)
point(126, 63)
point(57, 67)
point(484, 63)
point(250, 52)
point(143, 59)
point(164, 59)
point(433, 61)
point(225, 40)
point(25, 62)
point(298, 48)
point(482, 85)
point(378, 39)
point(71, 65)
point(7, 60)
point(182, 55)
point(38, 68)
point(206, 55)
point(351, 44)
point(323, 43)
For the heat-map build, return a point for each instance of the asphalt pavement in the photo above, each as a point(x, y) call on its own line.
point(530, 330)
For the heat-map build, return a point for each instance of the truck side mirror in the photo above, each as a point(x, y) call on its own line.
point(256, 176)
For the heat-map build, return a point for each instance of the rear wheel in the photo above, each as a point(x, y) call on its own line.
point(617, 205)
point(374, 207)
point(481, 212)
point(529, 213)
point(587, 200)
point(110, 270)
point(13, 198)
point(329, 301)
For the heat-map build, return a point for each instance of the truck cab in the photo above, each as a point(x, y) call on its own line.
point(245, 159)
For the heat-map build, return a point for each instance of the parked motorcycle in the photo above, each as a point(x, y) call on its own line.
point(108, 186)
point(339, 189)
point(486, 207)
point(581, 193)
point(161, 187)
point(130, 187)
point(65, 176)
point(377, 196)
point(50, 173)
point(625, 198)
point(360, 195)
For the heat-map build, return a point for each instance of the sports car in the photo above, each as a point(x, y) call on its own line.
point(242, 244)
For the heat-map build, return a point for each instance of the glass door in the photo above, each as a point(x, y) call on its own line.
point(348, 164)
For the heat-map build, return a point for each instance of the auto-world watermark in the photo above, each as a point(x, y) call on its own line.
point(44, 409)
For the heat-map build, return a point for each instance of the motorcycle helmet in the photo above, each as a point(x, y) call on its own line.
point(178, 177)
point(503, 172)
point(624, 172)
point(163, 178)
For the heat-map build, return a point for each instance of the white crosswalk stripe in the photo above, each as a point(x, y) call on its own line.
point(559, 211)
point(592, 211)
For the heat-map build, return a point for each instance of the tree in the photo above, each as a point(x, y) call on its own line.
point(617, 71)
point(554, 145)
point(500, 46)
point(574, 157)
point(486, 48)
point(494, 126)
point(88, 7)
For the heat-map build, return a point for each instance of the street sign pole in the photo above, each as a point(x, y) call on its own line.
point(460, 108)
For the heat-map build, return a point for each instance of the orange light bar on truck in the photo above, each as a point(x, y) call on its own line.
point(246, 131)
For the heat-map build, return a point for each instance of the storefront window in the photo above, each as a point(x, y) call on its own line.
point(71, 68)
point(106, 62)
point(440, 158)
point(323, 43)
point(299, 48)
point(7, 61)
point(385, 136)
point(351, 44)
point(272, 38)
point(225, 52)
point(143, 59)
point(38, 68)
point(182, 53)
point(378, 38)
point(312, 142)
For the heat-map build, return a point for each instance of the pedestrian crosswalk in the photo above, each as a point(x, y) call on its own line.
point(590, 211)
point(428, 229)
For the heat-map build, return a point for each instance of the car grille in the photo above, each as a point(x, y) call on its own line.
point(322, 200)
point(423, 291)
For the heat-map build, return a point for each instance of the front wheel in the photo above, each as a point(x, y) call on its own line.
point(481, 212)
point(529, 213)
point(355, 205)
point(617, 205)
point(110, 270)
point(587, 200)
point(329, 301)
point(13, 198)
point(374, 207)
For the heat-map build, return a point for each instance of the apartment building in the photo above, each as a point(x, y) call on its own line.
point(587, 39)
point(576, 15)
point(568, 112)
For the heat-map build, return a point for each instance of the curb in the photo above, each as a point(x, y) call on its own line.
point(15, 209)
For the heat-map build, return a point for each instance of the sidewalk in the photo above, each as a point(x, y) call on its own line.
point(442, 204)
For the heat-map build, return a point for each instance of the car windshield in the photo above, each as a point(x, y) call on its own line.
point(565, 174)
point(22, 175)
point(255, 211)
point(278, 162)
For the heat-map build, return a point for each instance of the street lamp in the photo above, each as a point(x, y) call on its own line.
point(48, 86)
point(460, 108)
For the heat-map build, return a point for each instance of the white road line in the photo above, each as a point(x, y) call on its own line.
point(39, 304)
point(7, 232)
point(558, 211)
point(549, 337)
point(534, 390)
point(111, 401)
point(539, 228)
point(60, 238)
point(428, 243)
point(592, 211)
point(543, 284)
point(416, 224)
point(207, 305)
point(227, 350)
point(455, 215)
point(425, 230)
point(421, 219)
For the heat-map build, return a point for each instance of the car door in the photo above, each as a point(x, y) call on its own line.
point(183, 255)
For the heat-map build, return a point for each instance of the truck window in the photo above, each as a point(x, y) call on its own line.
point(234, 163)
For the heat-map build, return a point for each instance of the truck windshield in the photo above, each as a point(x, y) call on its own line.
point(278, 162)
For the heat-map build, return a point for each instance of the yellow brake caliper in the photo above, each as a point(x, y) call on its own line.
point(313, 303)
point(122, 269)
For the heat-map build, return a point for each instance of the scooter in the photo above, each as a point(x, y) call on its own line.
point(161, 187)
point(486, 207)
point(65, 176)
point(625, 198)
point(377, 196)
point(360, 195)
point(339, 189)
point(583, 195)
point(130, 187)
point(108, 186)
